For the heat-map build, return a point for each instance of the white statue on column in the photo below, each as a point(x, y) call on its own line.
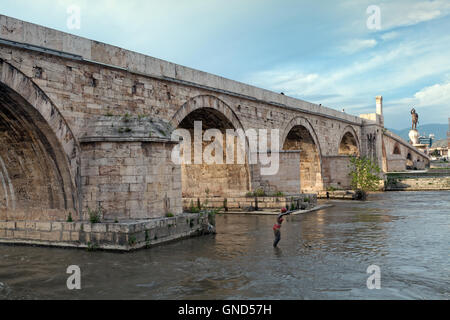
point(414, 134)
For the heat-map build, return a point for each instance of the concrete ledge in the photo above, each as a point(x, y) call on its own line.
point(275, 213)
point(418, 181)
point(124, 236)
point(243, 203)
point(338, 194)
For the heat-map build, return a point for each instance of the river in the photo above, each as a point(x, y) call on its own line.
point(322, 255)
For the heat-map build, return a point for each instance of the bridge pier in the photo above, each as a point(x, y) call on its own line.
point(127, 170)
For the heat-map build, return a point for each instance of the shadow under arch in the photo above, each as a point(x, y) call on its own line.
point(349, 142)
point(40, 157)
point(299, 134)
point(397, 149)
point(213, 180)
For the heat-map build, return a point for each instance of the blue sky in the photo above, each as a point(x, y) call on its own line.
point(319, 51)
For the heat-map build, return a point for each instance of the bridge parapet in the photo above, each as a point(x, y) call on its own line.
point(42, 39)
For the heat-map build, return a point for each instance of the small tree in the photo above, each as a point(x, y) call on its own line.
point(435, 153)
point(365, 175)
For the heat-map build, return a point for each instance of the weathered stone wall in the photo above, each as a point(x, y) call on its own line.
point(266, 203)
point(39, 156)
point(82, 90)
point(301, 138)
point(396, 164)
point(20, 31)
point(399, 156)
point(400, 183)
point(287, 179)
point(125, 236)
point(130, 180)
point(337, 169)
point(88, 90)
point(214, 175)
point(31, 185)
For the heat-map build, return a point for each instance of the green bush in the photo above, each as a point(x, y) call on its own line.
point(260, 192)
point(132, 241)
point(92, 246)
point(194, 209)
point(95, 216)
point(257, 193)
point(126, 117)
point(365, 174)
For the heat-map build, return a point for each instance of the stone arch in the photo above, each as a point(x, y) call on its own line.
point(299, 134)
point(206, 101)
point(397, 149)
point(349, 142)
point(40, 166)
point(409, 161)
point(213, 180)
point(301, 121)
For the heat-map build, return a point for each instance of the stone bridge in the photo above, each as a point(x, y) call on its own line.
point(85, 125)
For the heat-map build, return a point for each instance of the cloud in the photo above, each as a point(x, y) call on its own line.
point(395, 14)
point(390, 36)
point(391, 71)
point(334, 85)
point(404, 13)
point(431, 102)
point(438, 94)
point(357, 45)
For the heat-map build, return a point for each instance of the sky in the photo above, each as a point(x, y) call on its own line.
point(339, 53)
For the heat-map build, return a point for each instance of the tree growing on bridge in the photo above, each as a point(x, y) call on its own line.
point(365, 176)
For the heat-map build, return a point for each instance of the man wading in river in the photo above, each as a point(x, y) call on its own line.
point(277, 226)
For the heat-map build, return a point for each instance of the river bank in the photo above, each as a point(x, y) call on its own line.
point(418, 181)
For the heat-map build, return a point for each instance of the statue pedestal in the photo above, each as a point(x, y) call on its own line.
point(414, 137)
point(422, 147)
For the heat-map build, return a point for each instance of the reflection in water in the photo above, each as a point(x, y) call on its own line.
point(322, 255)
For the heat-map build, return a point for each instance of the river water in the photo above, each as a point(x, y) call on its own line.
point(322, 255)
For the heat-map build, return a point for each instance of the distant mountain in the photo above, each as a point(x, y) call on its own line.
point(439, 130)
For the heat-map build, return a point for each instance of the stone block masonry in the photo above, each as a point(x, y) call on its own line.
point(417, 182)
point(123, 236)
point(245, 204)
point(127, 170)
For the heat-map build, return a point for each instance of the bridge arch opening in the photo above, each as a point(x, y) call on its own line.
point(397, 150)
point(300, 138)
point(409, 162)
point(211, 179)
point(35, 179)
point(348, 145)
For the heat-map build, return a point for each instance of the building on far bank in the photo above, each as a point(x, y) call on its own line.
point(439, 149)
point(427, 140)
